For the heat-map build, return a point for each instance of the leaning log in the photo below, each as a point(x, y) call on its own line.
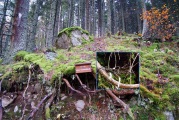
point(124, 105)
point(103, 72)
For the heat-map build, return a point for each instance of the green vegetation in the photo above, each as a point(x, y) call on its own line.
point(68, 31)
point(159, 99)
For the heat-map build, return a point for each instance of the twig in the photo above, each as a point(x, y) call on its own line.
point(109, 60)
point(131, 66)
point(114, 82)
point(38, 106)
point(83, 85)
point(24, 98)
point(29, 78)
point(68, 84)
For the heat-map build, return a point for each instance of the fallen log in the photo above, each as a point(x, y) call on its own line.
point(124, 105)
point(103, 72)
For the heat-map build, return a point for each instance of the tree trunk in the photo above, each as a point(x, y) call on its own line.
point(50, 37)
point(57, 21)
point(138, 17)
point(145, 26)
point(112, 16)
point(2, 25)
point(99, 18)
point(109, 17)
point(20, 26)
point(31, 45)
point(123, 20)
point(87, 15)
point(82, 2)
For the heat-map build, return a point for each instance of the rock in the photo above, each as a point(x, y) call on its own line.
point(48, 89)
point(33, 105)
point(63, 42)
point(169, 115)
point(79, 105)
point(1, 74)
point(7, 99)
point(76, 38)
point(16, 109)
point(50, 55)
point(37, 87)
point(86, 37)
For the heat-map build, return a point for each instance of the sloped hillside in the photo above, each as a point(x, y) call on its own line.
point(43, 72)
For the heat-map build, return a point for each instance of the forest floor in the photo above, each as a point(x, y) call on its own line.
point(49, 97)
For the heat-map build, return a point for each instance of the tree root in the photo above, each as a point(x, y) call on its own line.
point(84, 86)
point(39, 104)
point(111, 80)
point(49, 102)
point(24, 93)
point(124, 105)
point(69, 86)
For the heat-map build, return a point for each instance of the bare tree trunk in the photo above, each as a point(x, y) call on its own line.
point(99, 18)
point(56, 23)
point(50, 38)
point(109, 16)
point(87, 15)
point(31, 45)
point(145, 27)
point(82, 2)
point(19, 37)
point(112, 16)
point(138, 17)
point(123, 21)
point(2, 25)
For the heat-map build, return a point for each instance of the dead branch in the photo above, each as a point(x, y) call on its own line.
point(49, 102)
point(24, 98)
point(126, 107)
point(38, 106)
point(29, 78)
point(111, 80)
point(69, 86)
point(123, 92)
point(83, 85)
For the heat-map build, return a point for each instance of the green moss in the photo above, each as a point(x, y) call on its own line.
point(32, 57)
point(47, 113)
point(145, 92)
point(20, 66)
point(20, 55)
point(175, 78)
point(1, 61)
point(68, 31)
point(61, 57)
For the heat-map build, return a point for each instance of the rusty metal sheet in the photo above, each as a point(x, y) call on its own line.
point(83, 68)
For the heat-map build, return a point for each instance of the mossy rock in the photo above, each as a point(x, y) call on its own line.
point(72, 36)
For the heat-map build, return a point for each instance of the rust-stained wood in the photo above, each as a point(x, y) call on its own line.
point(83, 68)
